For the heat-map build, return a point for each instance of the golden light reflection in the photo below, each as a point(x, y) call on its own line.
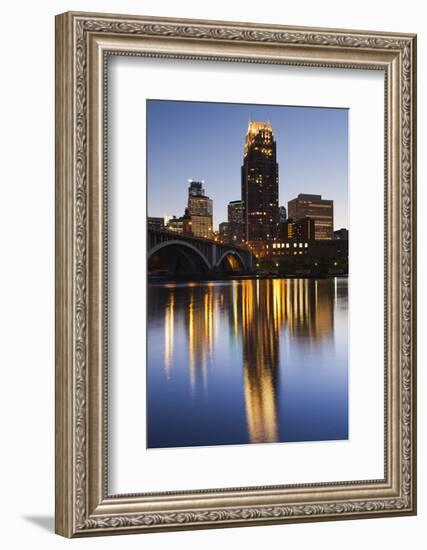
point(258, 313)
point(302, 306)
point(261, 363)
point(200, 326)
point(191, 339)
point(169, 334)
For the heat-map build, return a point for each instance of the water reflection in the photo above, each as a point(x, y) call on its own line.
point(229, 349)
point(169, 332)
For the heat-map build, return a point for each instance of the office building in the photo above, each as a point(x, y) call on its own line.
point(224, 232)
point(318, 209)
point(283, 216)
point(199, 210)
point(341, 234)
point(301, 230)
point(155, 223)
point(260, 186)
point(235, 221)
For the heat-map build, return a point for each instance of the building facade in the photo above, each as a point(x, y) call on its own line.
point(341, 234)
point(224, 234)
point(175, 224)
point(200, 211)
point(260, 186)
point(333, 253)
point(155, 223)
point(235, 221)
point(318, 209)
point(180, 225)
point(283, 214)
point(301, 230)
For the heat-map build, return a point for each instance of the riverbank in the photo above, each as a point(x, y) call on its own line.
point(248, 276)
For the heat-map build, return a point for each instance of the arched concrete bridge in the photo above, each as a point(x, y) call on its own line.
point(184, 254)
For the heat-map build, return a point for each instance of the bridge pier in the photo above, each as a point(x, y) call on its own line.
point(214, 256)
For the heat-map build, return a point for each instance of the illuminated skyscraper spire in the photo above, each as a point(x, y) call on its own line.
point(260, 185)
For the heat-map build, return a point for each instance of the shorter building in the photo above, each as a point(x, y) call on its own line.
point(176, 224)
point(187, 226)
point(318, 209)
point(341, 234)
point(314, 250)
point(283, 215)
point(155, 223)
point(200, 210)
point(301, 230)
point(235, 221)
point(223, 231)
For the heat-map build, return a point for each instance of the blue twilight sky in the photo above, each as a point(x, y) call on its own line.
point(204, 141)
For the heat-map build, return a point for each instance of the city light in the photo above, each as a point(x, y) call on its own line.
point(259, 225)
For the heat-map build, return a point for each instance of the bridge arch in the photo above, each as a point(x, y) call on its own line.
point(178, 257)
point(227, 254)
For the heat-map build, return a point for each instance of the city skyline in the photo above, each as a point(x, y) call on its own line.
point(231, 315)
point(208, 145)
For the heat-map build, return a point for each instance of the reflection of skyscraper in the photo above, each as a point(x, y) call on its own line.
point(258, 311)
point(260, 185)
point(263, 316)
point(260, 340)
point(318, 209)
point(199, 210)
point(200, 323)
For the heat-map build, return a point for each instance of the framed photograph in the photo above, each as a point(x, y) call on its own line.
point(235, 274)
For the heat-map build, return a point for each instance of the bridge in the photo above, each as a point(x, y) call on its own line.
point(175, 254)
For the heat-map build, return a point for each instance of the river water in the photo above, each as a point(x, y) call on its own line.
point(247, 361)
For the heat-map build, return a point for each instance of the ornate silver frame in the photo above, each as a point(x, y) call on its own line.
point(83, 42)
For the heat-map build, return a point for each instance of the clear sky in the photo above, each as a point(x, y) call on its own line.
point(204, 141)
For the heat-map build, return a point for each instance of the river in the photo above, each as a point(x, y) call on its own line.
point(247, 361)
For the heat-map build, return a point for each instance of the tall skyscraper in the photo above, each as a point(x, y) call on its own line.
point(235, 221)
point(260, 186)
point(318, 209)
point(199, 210)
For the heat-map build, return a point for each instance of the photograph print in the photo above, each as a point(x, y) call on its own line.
point(247, 274)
